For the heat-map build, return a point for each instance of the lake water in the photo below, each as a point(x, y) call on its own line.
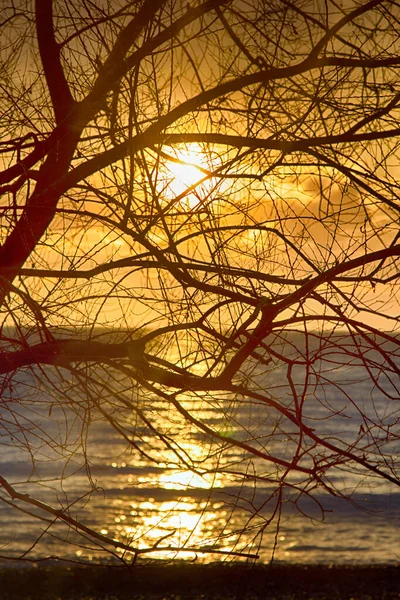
point(139, 494)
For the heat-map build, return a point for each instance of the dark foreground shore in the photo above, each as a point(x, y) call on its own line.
point(211, 582)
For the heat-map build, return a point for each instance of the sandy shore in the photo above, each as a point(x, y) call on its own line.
point(211, 582)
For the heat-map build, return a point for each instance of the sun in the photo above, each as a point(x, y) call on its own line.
point(186, 174)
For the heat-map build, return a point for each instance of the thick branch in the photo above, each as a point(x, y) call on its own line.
point(50, 56)
point(138, 263)
point(62, 352)
point(238, 141)
point(38, 213)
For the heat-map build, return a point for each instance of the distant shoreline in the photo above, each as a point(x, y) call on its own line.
point(203, 582)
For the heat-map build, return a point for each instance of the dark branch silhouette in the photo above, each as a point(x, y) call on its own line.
point(199, 261)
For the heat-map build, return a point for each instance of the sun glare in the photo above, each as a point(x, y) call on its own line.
point(185, 173)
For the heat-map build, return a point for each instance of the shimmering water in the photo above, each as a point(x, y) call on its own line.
point(144, 498)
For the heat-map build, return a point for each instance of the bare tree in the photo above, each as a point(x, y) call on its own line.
point(200, 249)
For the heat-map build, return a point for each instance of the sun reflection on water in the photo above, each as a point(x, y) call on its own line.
point(171, 509)
point(187, 479)
point(172, 524)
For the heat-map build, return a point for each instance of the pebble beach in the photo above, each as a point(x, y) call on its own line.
point(201, 582)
